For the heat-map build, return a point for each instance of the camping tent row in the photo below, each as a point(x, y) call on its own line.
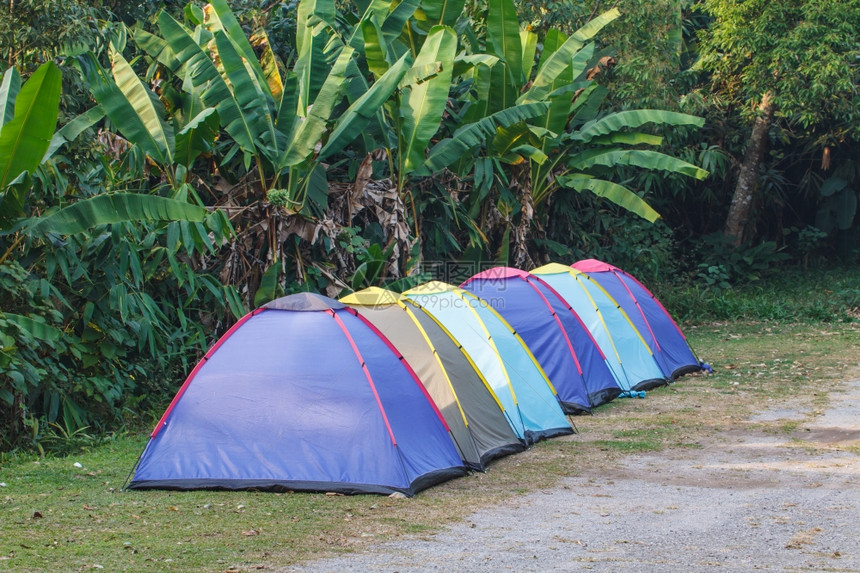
point(384, 392)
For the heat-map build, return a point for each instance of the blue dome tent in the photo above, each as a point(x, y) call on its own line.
point(668, 343)
point(301, 394)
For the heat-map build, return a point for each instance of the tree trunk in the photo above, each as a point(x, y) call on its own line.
point(739, 212)
point(522, 232)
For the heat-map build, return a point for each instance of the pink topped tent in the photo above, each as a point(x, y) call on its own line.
point(666, 340)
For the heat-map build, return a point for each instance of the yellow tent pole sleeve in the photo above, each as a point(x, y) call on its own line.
point(438, 360)
point(618, 306)
point(463, 350)
point(520, 340)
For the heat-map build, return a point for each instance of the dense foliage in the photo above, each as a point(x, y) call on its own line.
point(166, 169)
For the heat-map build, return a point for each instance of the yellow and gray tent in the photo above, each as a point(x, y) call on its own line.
point(470, 407)
point(627, 353)
point(500, 355)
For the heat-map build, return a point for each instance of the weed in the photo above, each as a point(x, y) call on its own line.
point(790, 427)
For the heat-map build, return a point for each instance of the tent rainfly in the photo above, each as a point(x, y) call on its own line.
point(473, 412)
point(668, 343)
point(555, 334)
point(301, 394)
point(630, 358)
point(501, 356)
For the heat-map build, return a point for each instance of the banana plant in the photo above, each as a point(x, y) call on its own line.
point(566, 141)
point(284, 123)
point(29, 118)
point(278, 121)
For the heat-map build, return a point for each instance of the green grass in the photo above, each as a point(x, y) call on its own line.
point(630, 446)
point(55, 516)
point(791, 295)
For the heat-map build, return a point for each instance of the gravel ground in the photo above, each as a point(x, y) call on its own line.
point(748, 501)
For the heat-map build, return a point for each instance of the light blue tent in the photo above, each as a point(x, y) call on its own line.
point(502, 357)
point(653, 321)
point(629, 356)
point(555, 334)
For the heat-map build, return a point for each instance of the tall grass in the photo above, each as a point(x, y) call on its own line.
point(791, 295)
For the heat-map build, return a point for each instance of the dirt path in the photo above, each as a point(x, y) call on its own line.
point(746, 501)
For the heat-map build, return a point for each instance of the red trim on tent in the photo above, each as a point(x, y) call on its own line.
point(161, 423)
point(639, 308)
point(366, 372)
point(558, 321)
point(573, 312)
point(655, 299)
point(404, 362)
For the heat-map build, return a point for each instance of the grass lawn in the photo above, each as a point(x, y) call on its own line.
point(69, 513)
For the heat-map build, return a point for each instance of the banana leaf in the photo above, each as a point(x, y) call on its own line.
point(197, 137)
point(422, 103)
point(469, 136)
point(253, 98)
point(311, 66)
point(269, 288)
point(561, 58)
point(636, 157)
point(396, 20)
point(73, 129)
point(12, 202)
point(374, 46)
point(269, 64)
point(26, 137)
point(353, 121)
point(507, 138)
point(9, 88)
point(204, 75)
point(114, 208)
point(146, 125)
point(614, 192)
point(443, 12)
point(159, 49)
point(529, 41)
point(631, 119)
point(479, 106)
point(287, 105)
point(465, 63)
point(221, 18)
point(311, 130)
point(628, 138)
point(503, 39)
